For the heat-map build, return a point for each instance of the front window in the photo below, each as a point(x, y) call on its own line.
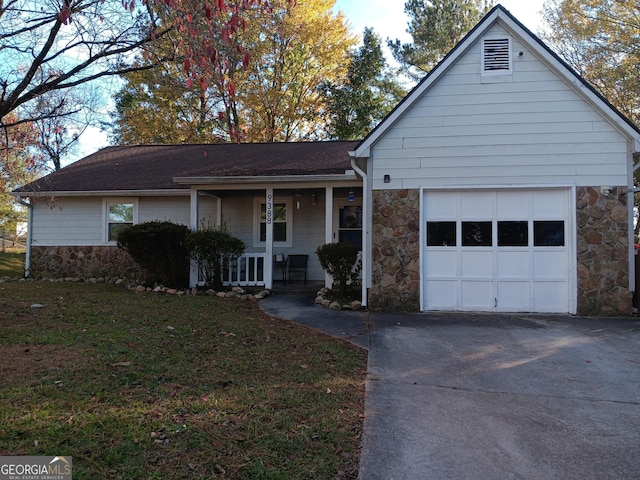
point(279, 222)
point(280, 219)
point(119, 215)
point(350, 228)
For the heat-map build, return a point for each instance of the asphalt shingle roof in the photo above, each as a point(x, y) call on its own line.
point(151, 167)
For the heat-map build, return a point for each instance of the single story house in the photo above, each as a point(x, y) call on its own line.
point(503, 182)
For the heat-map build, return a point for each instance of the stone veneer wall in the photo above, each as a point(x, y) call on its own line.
point(603, 252)
point(84, 262)
point(396, 251)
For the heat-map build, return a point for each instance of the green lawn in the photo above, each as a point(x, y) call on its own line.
point(12, 263)
point(147, 386)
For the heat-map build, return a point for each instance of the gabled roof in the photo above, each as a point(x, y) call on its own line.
point(553, 61)
point(154, 167)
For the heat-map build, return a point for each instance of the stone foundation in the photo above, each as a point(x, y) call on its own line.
point(84, 262)
point(603, 252)
point(396, 251)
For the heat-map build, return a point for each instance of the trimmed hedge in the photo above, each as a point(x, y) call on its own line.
point(340, 260)
point(159, 247)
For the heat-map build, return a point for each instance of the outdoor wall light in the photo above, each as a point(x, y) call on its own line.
point(387, 178)
point(605, 190)
point(352, 196)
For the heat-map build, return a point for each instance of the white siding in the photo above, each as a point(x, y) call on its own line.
point(308, 232)
point(525, 128)
point(67, 222)
point(79, 221)
point(165, 209)
point(237, 217)
point(208, 211)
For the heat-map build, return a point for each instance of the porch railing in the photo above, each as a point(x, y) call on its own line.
point(245, 271)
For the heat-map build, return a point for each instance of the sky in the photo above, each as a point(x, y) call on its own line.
point(388, 20)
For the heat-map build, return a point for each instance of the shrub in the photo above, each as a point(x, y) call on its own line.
point(341, 261)
point(159, 247)
point(211, 248)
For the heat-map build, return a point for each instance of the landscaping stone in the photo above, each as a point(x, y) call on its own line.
point(335, 306)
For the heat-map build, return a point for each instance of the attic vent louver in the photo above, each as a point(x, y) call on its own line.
point(496, 56)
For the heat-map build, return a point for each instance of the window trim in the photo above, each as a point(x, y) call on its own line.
point(258, 201)
point(106, 202)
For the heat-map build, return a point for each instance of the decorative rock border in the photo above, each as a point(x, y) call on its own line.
point(322, 300)
point(235, 292)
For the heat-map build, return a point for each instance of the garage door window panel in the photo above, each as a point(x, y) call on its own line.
point(477, 234)
point(548, 233)
point(513, 234)
point(441, 234)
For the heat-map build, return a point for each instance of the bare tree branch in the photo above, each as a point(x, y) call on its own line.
point(47, 46)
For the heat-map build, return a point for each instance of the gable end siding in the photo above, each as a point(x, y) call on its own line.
point(534, 129)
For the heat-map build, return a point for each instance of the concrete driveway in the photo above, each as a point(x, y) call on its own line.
point(470, 396)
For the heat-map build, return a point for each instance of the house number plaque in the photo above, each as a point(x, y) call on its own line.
point(269, 209)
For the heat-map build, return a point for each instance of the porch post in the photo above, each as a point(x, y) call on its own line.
point(193, 225)
point(218, 212)
point(268, 261)
point(328, 228)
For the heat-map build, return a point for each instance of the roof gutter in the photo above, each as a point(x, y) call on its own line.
point(105, 193)
point(348, 175)
point(27, 259)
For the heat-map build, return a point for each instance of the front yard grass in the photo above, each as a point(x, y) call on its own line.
point(12, 263)
point(147, 386)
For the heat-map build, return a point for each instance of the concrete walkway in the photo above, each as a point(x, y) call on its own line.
point(471, 396)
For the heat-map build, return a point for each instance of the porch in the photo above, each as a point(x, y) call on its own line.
point(248, 271)
point(277, 223)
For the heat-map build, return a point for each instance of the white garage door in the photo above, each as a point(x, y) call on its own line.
point(505, 250)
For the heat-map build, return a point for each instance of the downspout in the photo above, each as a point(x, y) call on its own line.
point(365, 233)
point(27, 259)
point(631, 201)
